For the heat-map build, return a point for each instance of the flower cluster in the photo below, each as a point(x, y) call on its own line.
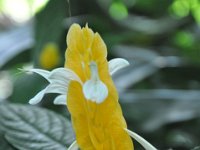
point(85, 85)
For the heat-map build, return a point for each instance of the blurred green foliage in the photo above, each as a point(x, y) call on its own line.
point(182, 8)
point(118, 10)
point(159, 92)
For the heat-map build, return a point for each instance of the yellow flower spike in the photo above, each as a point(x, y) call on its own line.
point(96, 114)
point(50, 56)
point(85, 85)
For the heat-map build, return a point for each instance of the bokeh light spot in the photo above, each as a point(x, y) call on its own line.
point(118, 10)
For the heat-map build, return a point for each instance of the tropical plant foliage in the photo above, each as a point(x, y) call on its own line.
point(159, 92)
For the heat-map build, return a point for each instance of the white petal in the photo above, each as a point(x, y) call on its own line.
point(95, 91)
point(73, 146)
point(63, 75)
point(141, 140)
point(51, 88)
point(60, 100)
point(56, 88)
point(59, 80)
point(43, 73)
point(37, 98)
point(117, 64)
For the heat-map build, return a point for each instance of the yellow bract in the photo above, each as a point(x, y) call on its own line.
point(97, 126)
point(49, 57)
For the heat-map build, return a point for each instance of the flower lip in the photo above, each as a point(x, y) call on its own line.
point(94, 89)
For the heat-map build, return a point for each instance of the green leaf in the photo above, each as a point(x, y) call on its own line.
point(14, 45)
point(34, 84)
point(4, 144)
point(33, 128)
point(196, 148)
point(165, 107)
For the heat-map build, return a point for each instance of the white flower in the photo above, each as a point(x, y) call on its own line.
point(93, 89)
point(59, 79)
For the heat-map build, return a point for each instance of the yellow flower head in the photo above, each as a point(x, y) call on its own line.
point(86, 87)
point(49, 57)
point(96, 114)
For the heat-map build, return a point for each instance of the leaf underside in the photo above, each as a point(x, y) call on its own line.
point(32, 128)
